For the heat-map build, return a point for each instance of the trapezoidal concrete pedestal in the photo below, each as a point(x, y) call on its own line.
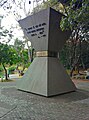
point(46, 75)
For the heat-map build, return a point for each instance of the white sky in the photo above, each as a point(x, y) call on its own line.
point(10, 19)
point(7, 22)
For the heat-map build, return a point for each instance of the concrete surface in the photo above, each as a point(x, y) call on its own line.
point(18, 105)
point(46, 76)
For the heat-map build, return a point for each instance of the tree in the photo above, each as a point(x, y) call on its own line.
point(19, 9)
point(9, 56)
point(16, 7)
point(5, 35)
point(19, 46)
point(5, 57)
point(77, 15)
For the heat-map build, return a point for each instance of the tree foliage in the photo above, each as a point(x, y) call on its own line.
point(22, 59)
point(10, 56)
point(77, 19)
point(5, 56)
point(5, 35)
point(16, 7)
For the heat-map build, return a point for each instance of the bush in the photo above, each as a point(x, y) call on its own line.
point(12, 69)
point(28, 64)
point(1, 69)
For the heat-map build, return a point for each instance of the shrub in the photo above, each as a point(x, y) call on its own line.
point(28, 64)
point(1, 69)
point(12, 69)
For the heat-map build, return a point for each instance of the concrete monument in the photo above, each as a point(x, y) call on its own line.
point(46, 75)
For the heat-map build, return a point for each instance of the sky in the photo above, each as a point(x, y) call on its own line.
point(9, 21)
point(12, 20)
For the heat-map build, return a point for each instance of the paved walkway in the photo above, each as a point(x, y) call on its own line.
point(18, 105)
point(13, 76)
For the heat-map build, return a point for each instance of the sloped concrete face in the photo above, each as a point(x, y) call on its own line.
point(35, 79)
point(58, 80)
point(46, 75)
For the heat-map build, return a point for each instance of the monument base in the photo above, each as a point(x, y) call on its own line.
point(46, 76)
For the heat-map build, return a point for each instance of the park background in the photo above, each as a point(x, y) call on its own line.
point(16, 52)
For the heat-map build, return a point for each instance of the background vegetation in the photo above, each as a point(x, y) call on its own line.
point(74, 55)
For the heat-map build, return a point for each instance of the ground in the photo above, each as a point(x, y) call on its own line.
point(19, 105)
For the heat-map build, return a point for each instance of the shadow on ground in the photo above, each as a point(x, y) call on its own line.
point(79, 94)
point(73, 96)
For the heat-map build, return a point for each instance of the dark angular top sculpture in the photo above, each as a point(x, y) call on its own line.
point(46, 75)
point(43, 30)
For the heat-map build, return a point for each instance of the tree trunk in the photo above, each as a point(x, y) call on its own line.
point(75, 64)
point(18, 69)
point(71, 71)
point(31, 54)
point(6, 75)
point(28, 51)
point(74, 59)
point(22, 71)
